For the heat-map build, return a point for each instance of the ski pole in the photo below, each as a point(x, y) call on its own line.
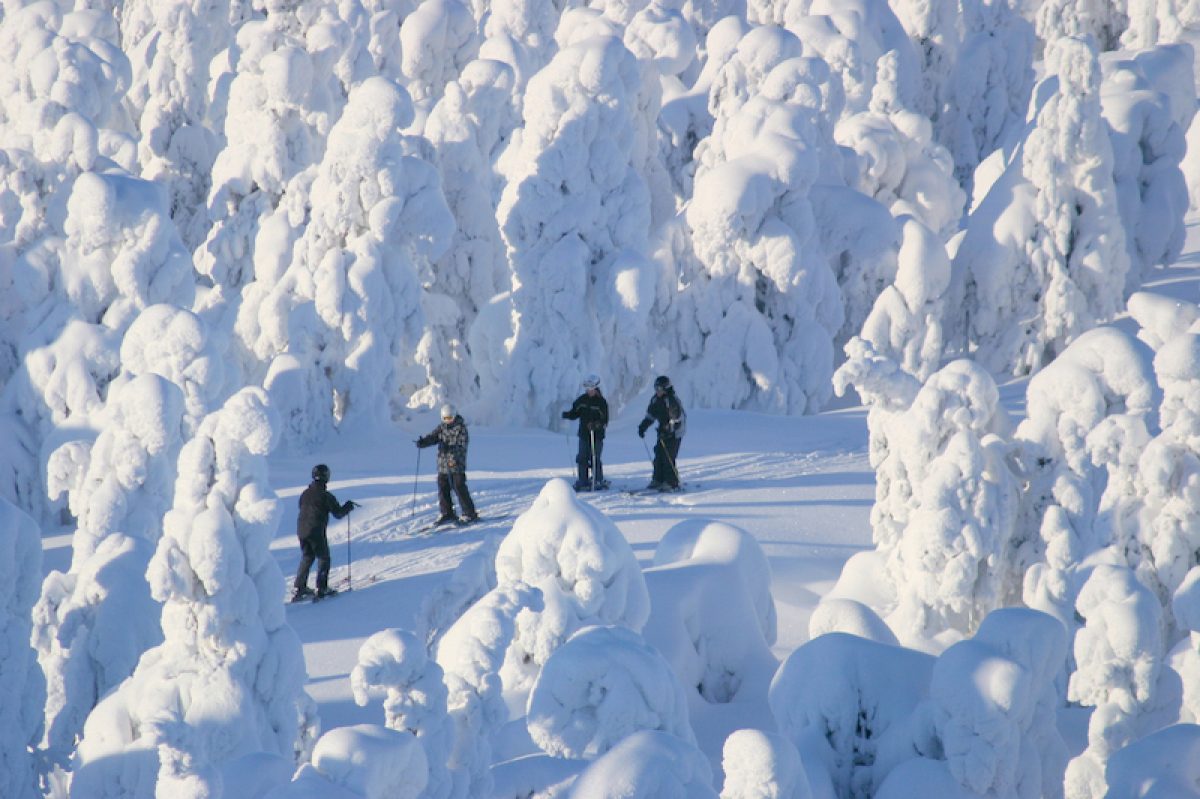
point(412, 514)
point(349, 561)
point(592, 435)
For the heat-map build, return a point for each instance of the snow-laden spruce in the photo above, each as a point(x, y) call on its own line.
point(121, 254)
point(1119, 652)
point(363, 761)
point(22, 688)
point(945, 499)
point(714, 576)
point(906, 323)
point(471, 655)
point(340, 328)
point(93, 623)
point(759, 765)
point(883, 721)
point(468, 129)
point(171, 45)
point(585, 570)
point(1044, 256)
point(647, 765)
point(1087, 415)
point(1149, 102)
point(760, 303)
point(395, 663)
point(990, 87)
point(227, 681)
point(575, 216)
point(602, 685)
point(277, 112)
point(437, 40)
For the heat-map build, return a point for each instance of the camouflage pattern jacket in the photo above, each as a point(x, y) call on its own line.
point(451, 439)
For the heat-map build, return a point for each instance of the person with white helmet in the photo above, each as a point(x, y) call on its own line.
point(452, 439)
point(591, 409)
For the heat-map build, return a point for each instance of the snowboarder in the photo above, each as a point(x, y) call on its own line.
point(665, 409)
point(316, 506)
point(452, 439)
point(591, 409)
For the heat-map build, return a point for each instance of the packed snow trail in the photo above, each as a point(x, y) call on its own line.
point(801, 485)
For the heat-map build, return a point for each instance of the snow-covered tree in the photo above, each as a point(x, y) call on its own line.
point(1044, 257)
point(471, 654)
point(120, 255)
point(22, 687)
point(347, 315)
point(585, 570)
point(576, 216)
point(988, 92)
point(935, 28)
point(437, 40)
point(1083, 414)
point(93, 622)
point(227, 681)
point(759, 765)
point(945, 501)
point(395, 663)
point(902, 166)
point(1148, 103)
point(764, 305)
point(601, 686)
point(278, 112)
point(1104, 22)
point(361, 761)
point(468, 129)
point(906, 324)
point(171, 45)
point(1120, 652)
point(647, 765)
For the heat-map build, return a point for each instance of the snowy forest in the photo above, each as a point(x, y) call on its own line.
point(245, 230)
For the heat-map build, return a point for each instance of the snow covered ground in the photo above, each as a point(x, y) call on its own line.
point(801, 485)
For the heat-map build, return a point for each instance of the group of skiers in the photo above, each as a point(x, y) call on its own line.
point(590, 408)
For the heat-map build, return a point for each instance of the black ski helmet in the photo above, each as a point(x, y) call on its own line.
point(663, 382)
point(321, 472)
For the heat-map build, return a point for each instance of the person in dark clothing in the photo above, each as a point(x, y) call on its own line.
point(451, 438)
point(316, 506)
point(591, 409)
point(665, 409)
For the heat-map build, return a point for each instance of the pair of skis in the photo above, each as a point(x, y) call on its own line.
point(448, 523)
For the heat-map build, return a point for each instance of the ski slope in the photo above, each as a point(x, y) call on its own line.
point(801, 485)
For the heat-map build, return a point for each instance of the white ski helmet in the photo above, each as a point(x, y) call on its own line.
point(591, 381)
point(448, 411)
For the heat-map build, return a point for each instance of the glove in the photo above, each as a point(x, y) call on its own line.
point(351, 504)
point(566, 414)
point(642, 429)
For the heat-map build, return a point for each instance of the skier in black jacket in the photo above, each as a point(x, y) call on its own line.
point(591, 409)
point(665, 409)
point(316, 506)
point(452, 439)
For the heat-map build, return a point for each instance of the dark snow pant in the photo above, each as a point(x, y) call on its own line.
point(666, 451)
point(586, 458)
point(457, 481)
point(314, 548)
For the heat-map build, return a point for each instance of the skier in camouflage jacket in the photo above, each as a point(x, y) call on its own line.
point(452, 438)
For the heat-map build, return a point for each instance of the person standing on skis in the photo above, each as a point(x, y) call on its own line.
point(591, 409)
point(316, 506)
point(665, 409)
point(451, 438)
